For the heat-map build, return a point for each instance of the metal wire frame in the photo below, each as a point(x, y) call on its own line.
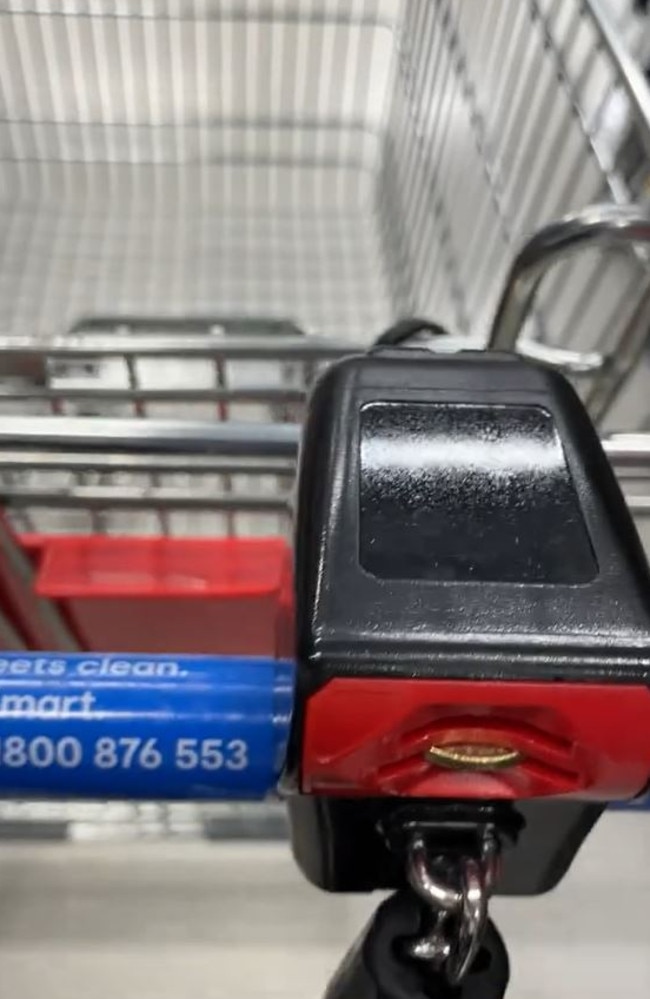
point(339, 162)
point(511, 128)
point(264, 214)
point(259, 370)
point(248, 373)
point(168, 161)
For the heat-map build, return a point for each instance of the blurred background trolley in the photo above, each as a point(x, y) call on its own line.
point(203, 203)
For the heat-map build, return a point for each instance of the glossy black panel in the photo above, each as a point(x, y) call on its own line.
point(461, 493)
point(457, 518)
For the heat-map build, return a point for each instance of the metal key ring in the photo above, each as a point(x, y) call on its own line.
point(472, 922)
point(458, 894)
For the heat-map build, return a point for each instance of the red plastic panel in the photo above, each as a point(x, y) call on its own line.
point(167, 595)
point(372, 737)
point(286, 631)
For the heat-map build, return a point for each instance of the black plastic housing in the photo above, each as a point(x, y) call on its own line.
point(339, 847)
point(504, 591)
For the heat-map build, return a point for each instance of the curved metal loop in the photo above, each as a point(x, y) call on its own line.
point(598, 225)
point(478, 877)
point(471, 924)
point(574, 362)
point(425, 883)
point(458, 893)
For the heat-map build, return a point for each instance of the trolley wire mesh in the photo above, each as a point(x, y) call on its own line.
point(338, 163)
point(328, 166)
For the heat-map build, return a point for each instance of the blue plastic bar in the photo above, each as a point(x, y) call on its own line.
point(123, 726)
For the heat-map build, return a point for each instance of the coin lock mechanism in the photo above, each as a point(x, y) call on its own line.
point(473, 614)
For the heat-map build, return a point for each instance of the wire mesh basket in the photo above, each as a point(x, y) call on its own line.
point(335, 161)
point(203, 202)
point(324, 166)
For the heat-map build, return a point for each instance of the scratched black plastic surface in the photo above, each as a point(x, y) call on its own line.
point(459, 493)
point(588, 618)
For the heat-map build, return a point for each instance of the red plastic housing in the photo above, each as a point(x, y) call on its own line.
point(369, 737)
point(167, 595)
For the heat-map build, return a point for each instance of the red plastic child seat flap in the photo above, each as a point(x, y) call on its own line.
point(168, 594)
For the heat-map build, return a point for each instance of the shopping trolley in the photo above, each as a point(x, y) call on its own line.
point(205, 204)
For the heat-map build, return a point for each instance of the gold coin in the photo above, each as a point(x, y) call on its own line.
point(473, 756)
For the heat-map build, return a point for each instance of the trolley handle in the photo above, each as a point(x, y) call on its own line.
point(111, 725)
point(610, 226)
point(180, 437)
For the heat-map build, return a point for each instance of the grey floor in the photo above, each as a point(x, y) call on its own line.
point(190, 920)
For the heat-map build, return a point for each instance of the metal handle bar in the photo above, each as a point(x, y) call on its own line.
point(628, 450)
point(228, 438)
point(142, 439)
point(597, 226)
point(97, 445)
point(26, 355)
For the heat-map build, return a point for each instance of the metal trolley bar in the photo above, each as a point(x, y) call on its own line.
point(599, 226)
point(39, 442)
point(242, 440)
